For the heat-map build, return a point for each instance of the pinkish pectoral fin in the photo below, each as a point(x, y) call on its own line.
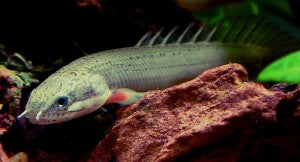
point(125, 96)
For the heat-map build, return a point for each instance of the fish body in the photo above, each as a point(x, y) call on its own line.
point(149, 68)
point(118, 75)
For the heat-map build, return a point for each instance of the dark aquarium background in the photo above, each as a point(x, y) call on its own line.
point(53, 33)
point(39, 37)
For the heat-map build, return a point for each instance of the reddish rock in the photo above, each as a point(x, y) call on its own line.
point(11, 85)
point(6, 122)
point(51, 157)
point(3, 156)
point(169, 124)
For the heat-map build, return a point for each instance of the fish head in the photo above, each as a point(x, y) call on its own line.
point(64, 96)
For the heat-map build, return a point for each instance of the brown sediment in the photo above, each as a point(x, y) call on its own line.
point(169, 124)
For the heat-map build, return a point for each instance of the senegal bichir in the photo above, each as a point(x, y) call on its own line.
point(157, 61)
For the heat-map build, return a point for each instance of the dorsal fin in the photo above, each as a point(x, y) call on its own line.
point(144, 37)
point(151, 43)
point(180, 38)
point(212, 32)
point(240, 30)
point(168, 36)
point(194, 39)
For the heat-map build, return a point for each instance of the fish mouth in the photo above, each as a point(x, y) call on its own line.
point(50, 118)
point(45, 118)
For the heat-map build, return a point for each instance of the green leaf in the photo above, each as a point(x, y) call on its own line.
point(286, 69)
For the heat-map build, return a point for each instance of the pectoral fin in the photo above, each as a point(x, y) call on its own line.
point(124, 96)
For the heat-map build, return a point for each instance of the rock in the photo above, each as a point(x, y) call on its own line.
point(12, 82)
point(169, 124)
point(19, 157)
point(11, 85)
point(6, 122)
point(50, 156)
point(3, 156)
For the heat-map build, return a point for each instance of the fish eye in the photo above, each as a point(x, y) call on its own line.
point(62, 101)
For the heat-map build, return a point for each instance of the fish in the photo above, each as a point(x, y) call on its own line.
point(159, 60)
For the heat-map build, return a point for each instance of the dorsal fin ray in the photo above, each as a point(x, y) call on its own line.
point(212, 32)
point(240, 29)
point(248, 30)
point(151, 43)
point(252, 28)
point(180, 38)
point(143, 38)
point(194, 39)
point(166, 39)
point(228, 31)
